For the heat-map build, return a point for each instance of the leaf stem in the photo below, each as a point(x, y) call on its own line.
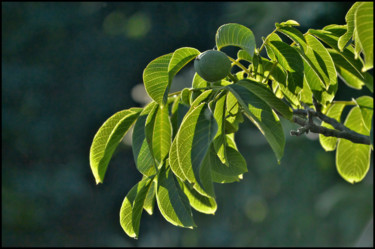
point(237, 63)
point(264, 42)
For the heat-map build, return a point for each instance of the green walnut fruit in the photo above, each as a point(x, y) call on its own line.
point(212, 65)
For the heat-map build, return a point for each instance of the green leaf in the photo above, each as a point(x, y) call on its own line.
point(156, 78)
point(172, 202)
point(364, 26)
point(288, 24)
point(108, 138)
point(180, 58)
point(262, 116)
point(196, 133)
point(149, 202)
point(198, 82)
point(203, 204)
point(132, 207)
point(219, 139)
point(291, 61)
point(232, 172)
point(175, 163)
point(349, 74)
point(233, 34)
point(161, 134)
point(349, 18)
point(243, 55)
point(279, 76)
point(352, 159)
point(142, 154)
point(366, 105)
point(334, 111)
point(330, 37)
point(295, 35)
point(177, 114)
point(321, 61)
point(271, 37)
point(262, 92)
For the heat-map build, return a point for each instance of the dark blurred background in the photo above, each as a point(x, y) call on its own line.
point(67, 67)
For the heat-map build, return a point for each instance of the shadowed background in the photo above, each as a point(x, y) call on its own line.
point(67, 67)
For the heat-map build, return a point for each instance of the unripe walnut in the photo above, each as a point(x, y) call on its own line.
point(212, 65)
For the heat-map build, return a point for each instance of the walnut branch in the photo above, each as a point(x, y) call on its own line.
point(339, 131)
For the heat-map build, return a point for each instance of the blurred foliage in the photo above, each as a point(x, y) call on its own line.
point(66, 67)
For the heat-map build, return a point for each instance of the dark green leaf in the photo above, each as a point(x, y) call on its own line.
point(262, 116)
point(141, 151)
point(262, 92)
point(172, 202)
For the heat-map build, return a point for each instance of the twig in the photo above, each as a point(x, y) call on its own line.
point(339, 131)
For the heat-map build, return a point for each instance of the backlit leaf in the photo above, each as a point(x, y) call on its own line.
point(349, 18)
point(107, 139)
point(161, 134)
point(203, 204)
point(156, 78)
point(366, 105)
point(267, 96)
point(172, 202)
point(196, 133)
point(262, 116)
point(233, 34)
point(180, 58)
point(349, 74)
point(364, 26)
point(334, 111)
point(132, 207)
point(142, 154)
point(353, 159)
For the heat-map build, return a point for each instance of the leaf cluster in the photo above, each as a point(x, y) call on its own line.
point(184, 142)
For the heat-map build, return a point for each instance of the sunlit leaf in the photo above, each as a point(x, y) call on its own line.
point(150, 199)
point(330, 37)
point(322, 61)
point(262, 116)
point(267, 96)
point(278, 75)
point(203, 204)
point(334, 111)
point(295, 35)
point(196, 133)
point(219, 139)
point(172, 202)
point(349, 74)
point(233, 34)
point(142, 154)
point(366, 105)
point(161, 134)
point(243, 55)
point(156, 78)
point(180, 58)
point(232, 172)
point(289, 58)
point(288, 23)
point(198, 82)
point(349, 18)
point(353, 159)
point(132, 207)
point(364, 26)
point(107, 139)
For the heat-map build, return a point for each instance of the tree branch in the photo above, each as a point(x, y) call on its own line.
point(339, 131)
